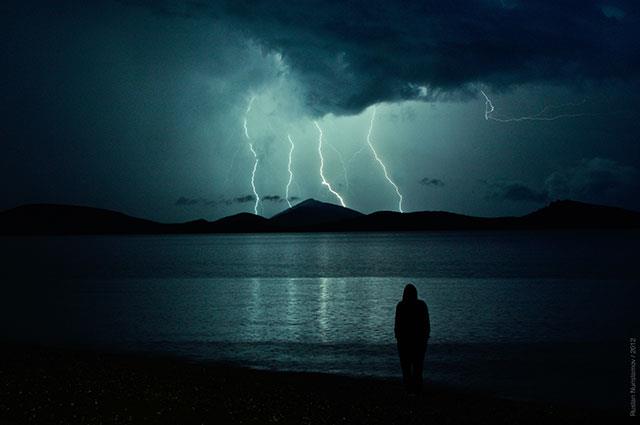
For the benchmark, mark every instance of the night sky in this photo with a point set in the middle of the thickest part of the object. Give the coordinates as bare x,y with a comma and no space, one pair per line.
140,106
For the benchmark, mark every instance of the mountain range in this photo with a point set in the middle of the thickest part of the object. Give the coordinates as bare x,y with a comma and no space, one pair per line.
307,216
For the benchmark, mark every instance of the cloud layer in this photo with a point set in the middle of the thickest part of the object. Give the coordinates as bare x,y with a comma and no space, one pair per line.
353,54
598,180
426,181
184,201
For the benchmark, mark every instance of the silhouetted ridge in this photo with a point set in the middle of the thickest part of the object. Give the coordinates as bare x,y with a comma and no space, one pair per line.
71,219
307,216
574,214
421,220
242,222
313,213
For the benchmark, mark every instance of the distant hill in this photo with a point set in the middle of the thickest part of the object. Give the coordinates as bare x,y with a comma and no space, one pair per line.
422,220
573,214
307,216
313,213
243,222
50,219
558,214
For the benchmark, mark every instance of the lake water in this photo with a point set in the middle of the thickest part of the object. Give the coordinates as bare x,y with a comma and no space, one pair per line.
545,315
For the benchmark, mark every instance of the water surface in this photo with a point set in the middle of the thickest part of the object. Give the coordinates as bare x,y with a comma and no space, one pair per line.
525,314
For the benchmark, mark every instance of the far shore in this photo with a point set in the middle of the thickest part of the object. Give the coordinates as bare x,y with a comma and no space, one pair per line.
63,386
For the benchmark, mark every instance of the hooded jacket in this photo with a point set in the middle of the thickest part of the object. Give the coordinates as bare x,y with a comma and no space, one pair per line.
412,318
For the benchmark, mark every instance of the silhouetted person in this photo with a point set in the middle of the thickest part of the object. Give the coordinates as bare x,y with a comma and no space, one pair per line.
412,329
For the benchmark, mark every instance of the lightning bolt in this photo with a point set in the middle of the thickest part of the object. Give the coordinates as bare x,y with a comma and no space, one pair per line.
324,180
375,155
255,155
540,116
488,106
358,152
244,123
292,146
342,163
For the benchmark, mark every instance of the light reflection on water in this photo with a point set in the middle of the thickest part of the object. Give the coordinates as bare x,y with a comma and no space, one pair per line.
551,303
343,310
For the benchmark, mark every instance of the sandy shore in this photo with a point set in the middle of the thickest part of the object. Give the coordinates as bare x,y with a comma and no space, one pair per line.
53,386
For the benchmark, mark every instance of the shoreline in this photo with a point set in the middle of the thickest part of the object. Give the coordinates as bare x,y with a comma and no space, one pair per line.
59,385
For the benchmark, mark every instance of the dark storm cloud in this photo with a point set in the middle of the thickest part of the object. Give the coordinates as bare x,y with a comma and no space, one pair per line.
131,107
183,201
597,180
426,181
273,198
276,199
352,54
244,199
517,192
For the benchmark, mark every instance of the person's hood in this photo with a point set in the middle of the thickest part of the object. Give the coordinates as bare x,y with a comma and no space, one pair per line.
410,293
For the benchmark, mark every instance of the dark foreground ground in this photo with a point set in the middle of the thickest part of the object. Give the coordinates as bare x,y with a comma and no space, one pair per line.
48,386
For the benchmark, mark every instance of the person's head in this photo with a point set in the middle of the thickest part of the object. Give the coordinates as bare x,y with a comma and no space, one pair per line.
410,293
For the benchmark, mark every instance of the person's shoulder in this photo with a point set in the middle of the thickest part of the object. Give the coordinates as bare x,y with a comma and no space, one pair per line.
422,304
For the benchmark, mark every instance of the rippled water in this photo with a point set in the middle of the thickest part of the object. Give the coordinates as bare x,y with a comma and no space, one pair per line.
525,314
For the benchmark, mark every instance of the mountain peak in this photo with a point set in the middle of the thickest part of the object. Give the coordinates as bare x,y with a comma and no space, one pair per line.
572,214
311,203
313,212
